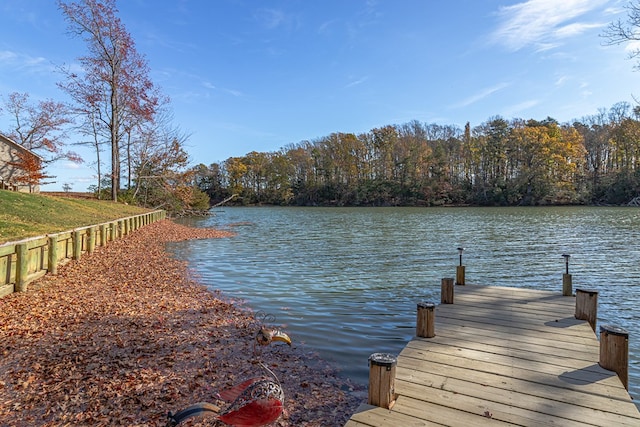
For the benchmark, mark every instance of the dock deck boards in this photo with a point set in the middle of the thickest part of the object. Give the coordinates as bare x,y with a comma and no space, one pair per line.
503,357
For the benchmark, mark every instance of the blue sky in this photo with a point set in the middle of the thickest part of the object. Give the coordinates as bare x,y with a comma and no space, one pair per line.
246,75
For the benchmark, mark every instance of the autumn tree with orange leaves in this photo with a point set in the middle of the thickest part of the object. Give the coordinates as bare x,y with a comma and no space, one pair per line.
31,168
114,93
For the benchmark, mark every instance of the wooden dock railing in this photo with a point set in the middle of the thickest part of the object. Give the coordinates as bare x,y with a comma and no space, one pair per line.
26,260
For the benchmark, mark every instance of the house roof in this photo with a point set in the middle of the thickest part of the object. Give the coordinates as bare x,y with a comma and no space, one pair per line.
10,141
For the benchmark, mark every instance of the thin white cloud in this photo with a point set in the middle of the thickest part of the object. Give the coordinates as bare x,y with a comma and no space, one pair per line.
561,80
480,95
632,47
7,56
536,22
325,27
233,92
209,85
72,165
518,109
544,47
613,10
23,61
576,29
357,82
272,19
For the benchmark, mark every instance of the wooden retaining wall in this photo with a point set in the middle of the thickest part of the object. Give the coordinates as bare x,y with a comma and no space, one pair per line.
26,260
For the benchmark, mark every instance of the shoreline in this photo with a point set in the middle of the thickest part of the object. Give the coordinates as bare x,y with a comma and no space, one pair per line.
126,334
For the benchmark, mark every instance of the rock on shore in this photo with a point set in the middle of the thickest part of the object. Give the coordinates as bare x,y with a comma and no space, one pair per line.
125,334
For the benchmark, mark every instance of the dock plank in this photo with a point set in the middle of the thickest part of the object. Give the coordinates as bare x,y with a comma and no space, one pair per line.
504,356
558,376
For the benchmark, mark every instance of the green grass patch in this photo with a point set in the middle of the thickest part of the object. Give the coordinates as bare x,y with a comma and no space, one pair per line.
28,215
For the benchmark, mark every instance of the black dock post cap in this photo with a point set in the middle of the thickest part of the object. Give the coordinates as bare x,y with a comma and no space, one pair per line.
383,359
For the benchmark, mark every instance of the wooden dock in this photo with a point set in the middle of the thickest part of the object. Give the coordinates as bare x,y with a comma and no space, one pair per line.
503,357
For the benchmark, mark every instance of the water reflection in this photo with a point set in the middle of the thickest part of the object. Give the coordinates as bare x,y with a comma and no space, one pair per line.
346,281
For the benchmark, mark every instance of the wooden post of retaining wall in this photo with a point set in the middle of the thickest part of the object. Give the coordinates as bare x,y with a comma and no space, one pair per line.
426,320
382,379
52,266
22,267
614,351
103,234
77,244
446,290
587,306
91,240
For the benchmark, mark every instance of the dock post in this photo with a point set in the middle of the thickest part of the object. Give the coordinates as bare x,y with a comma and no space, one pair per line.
567,289
587,306
614,351
382,379
446,290
460,269
426,319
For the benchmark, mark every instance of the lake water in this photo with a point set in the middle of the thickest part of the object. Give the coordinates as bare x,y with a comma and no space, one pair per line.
345,281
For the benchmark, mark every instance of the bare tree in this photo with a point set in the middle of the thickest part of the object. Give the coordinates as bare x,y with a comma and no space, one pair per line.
114,87
626,31
39,127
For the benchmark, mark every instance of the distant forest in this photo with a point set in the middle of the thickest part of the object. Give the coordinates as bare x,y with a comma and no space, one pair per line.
499,163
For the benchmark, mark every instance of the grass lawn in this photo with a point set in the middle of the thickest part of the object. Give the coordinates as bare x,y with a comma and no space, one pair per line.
28,215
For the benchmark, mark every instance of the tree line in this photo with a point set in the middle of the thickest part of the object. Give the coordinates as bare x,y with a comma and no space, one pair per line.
501,162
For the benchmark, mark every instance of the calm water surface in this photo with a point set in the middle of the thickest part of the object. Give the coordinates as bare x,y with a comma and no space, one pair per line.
345,281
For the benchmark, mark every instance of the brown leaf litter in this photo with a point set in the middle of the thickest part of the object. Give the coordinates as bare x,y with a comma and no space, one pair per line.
125,334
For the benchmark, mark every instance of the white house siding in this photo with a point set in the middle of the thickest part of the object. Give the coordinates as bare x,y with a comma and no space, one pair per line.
8,150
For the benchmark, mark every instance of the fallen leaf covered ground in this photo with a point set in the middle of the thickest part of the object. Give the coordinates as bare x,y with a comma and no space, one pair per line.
126,334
